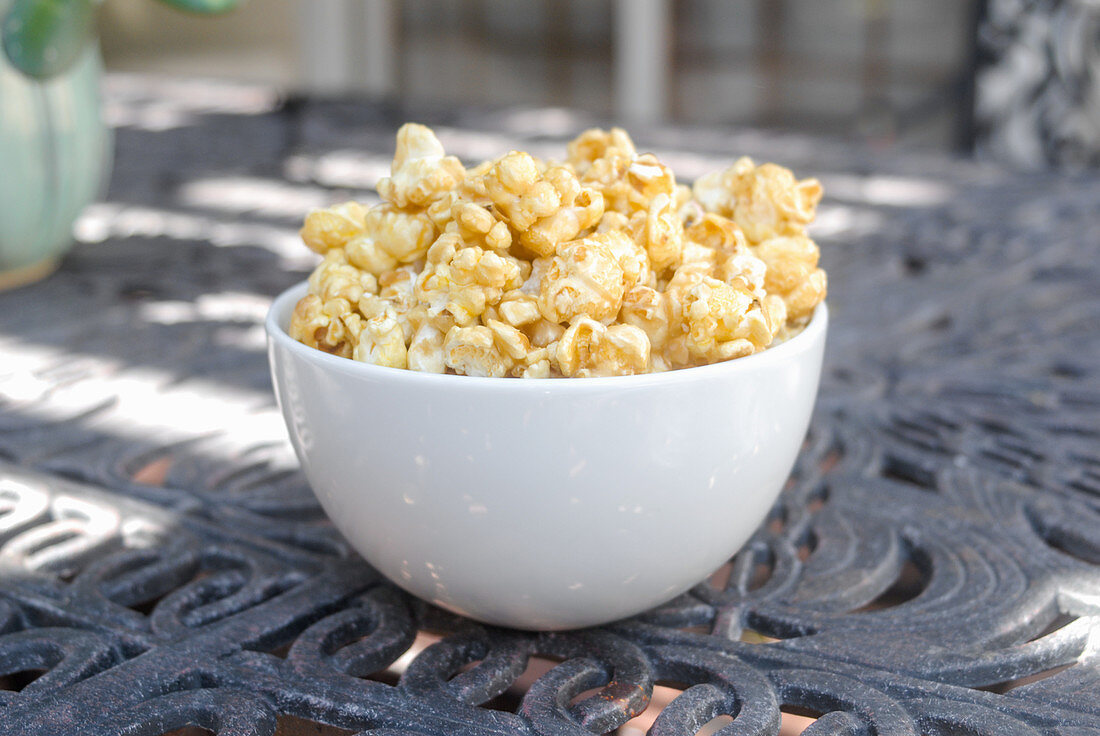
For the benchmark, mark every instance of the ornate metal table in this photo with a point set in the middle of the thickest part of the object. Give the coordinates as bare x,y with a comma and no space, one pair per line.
932,567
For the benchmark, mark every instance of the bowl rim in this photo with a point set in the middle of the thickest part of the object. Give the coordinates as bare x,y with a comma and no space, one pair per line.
282,306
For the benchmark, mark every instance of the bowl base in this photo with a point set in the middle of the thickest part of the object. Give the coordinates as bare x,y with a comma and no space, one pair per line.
16,277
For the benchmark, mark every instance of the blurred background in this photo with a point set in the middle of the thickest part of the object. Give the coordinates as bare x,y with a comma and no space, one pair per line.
1017,80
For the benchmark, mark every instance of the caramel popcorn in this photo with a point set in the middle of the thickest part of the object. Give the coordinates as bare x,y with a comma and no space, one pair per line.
648,309
474,351
389,238
764,201
724,322
425,351
577,213
382,340
601,155
518,308
324,230
472,222
661,232
523,194
421,172
602,265
791,273
717,233
332,326
465,279
590,348
335,278
584,279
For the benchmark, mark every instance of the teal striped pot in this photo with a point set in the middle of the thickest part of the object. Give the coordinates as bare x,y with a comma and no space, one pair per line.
54,157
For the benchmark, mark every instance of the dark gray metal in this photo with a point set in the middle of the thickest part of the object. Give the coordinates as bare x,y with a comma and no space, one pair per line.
1037,81
163,564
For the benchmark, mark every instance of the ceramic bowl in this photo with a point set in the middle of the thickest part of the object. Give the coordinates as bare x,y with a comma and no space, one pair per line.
55,154
546,503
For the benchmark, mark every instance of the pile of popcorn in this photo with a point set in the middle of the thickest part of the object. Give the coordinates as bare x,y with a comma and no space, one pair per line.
599,266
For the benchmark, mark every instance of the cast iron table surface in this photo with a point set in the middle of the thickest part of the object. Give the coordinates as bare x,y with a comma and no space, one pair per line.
932,567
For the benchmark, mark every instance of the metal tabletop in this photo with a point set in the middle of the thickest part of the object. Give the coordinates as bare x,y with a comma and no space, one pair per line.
932,567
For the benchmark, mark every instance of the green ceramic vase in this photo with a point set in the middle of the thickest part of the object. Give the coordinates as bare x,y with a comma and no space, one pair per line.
54,156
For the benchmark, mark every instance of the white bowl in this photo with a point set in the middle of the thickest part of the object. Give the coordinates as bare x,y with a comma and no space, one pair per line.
546,503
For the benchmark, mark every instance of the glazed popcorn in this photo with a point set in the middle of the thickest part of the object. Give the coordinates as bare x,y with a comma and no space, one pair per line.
601,265
325,230
764,201
584,280
465,279
333,326
335,278
792,273
390,237
421,172
591,348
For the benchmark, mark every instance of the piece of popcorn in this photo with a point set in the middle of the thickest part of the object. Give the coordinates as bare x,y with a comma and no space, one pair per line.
473,351
645,178
335,278
690,213
382,340
688,275
611,221
775,310
792,273
585,279
421,172
425,352
677,353
590,348
695,260
631,256
509,340
744,272
398,289
547,207
532,285
420,315
472,221
465,279
332,227
543,332
648,310
473,185
518,308
390,237
765,201
577,214
332,326
661,232
687,209
609,151
717,233
629,186
682,196
399,286
521,193
537,365
777,313
716,192
723,322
